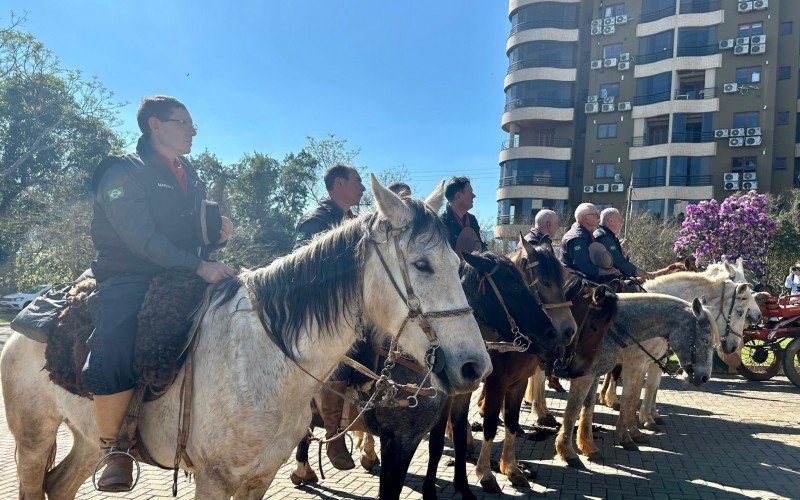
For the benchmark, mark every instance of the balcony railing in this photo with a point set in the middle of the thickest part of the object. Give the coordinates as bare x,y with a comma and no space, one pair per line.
639,182
654,56
533,180
692,136
695,94
646,140
503,220
701,50
658,14
546,142
542,62
699,6
641,100
545,102
689,180
563,24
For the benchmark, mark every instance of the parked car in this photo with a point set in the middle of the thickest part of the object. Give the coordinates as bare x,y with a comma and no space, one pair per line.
18,301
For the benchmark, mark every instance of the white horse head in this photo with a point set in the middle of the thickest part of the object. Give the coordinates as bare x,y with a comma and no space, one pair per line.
694,348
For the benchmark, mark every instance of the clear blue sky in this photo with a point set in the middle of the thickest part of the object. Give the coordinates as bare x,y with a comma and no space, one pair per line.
414,83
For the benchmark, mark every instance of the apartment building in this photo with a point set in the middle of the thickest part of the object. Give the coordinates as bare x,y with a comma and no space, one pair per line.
660,102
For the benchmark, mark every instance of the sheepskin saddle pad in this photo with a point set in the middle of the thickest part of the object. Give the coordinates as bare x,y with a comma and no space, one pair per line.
164,323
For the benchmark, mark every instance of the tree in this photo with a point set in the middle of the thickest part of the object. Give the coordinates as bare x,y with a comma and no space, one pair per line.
651,241
784,245
738,227
325,153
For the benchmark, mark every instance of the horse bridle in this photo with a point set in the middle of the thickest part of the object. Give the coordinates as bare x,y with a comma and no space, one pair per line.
521,342
728,330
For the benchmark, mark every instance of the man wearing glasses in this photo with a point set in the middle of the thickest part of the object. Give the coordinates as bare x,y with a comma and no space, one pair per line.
146,220
575,244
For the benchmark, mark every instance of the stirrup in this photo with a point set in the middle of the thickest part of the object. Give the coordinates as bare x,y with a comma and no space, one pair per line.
102,461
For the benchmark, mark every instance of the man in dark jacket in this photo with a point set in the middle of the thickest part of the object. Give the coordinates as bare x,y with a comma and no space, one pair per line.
545,227
456,216
146,220
575,244
606,233
345,189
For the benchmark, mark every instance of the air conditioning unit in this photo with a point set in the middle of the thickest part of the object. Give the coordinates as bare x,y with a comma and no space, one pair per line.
622,19
608,108
596,30
754,131
758,48
597,64
617,177
596,23
624,66
743,40
758,39
745,6
730,88
590,107
758,5
601,188
625,56
721,133
753,140
737,132
726,44
730,176
609,21
731,186
591,98
741,50
610,62
749,176
736,142
748,185
609,30
617,188
588,189
624,106
608,100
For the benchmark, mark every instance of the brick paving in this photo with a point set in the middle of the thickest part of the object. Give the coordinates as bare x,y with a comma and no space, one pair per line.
730,439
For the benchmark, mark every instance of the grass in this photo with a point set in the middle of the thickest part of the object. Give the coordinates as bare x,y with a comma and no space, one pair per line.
5,318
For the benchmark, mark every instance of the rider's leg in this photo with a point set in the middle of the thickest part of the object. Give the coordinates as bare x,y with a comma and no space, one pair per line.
331,405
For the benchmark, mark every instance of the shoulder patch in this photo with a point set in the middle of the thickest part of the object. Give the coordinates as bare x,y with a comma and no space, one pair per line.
612,247
116,193
577,247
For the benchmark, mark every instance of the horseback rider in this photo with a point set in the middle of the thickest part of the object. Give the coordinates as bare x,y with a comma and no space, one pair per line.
545,227
462,226
606,233
146,220
575,245
344,187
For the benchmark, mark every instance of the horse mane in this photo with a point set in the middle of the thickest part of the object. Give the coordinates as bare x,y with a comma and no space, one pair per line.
320,280
688,276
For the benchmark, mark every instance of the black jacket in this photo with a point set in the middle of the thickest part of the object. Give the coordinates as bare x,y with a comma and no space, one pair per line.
326,216
143,223
536,238
454,228
575,251
609,240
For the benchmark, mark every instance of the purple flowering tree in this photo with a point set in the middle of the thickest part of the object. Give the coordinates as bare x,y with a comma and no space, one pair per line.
740,226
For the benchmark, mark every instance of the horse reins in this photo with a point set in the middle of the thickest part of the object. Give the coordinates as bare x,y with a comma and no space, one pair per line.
521,342
728,330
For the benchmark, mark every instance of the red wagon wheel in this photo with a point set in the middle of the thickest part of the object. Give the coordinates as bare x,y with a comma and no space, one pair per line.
760,360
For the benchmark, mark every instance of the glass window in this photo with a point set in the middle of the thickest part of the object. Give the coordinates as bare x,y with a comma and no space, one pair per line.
745,120
747,75
750,29
784,73
534,172
613,50
604,170
742,164
690,171
655,47
609,90
649,172
786,28
782,118
545,15
699,6
654,88
780,163
614,10
654,208
657,9
547,93
539,54
697,41
606,130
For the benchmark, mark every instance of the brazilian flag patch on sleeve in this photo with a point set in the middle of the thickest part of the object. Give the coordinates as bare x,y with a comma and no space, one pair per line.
115,193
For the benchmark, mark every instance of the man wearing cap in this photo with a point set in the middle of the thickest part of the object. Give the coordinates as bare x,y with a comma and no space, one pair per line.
462,226
606,233
576,242
545,227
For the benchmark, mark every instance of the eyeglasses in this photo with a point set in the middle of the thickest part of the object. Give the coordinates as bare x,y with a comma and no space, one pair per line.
183,123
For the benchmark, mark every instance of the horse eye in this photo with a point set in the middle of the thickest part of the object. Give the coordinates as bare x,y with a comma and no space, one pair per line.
546,284
423,266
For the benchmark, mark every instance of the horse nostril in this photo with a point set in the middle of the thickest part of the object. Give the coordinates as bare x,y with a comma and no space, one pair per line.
470,371
569,332
551,333
703,379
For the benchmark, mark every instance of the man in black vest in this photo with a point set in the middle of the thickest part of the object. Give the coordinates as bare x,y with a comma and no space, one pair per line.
456,216
575,244
545,227
146,220
606,233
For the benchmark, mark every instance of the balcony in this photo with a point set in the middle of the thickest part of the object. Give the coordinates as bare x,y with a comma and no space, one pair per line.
654,56
693,137
647,140
643,100
658,14
562,24
693,94
541,62
642,182
539,102
697,51
504,220
551,148
546,142
699,6
532,180
689,180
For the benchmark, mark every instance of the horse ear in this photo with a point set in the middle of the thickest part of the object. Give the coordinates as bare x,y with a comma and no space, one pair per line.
482,264
436,198
688,264
731,270
526,245
599,294
389,204
697,308
741,288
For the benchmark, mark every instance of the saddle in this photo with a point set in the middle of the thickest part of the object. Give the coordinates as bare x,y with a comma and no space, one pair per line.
164,323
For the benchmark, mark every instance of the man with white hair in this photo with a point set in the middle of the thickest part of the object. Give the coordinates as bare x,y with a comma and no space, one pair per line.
575,243
545,227
606,233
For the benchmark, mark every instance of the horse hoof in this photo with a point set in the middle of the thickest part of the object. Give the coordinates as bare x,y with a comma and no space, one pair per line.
465,493
576,463
630,446
297,480
490,485
595,457
519,480
650,426
641,439
615,406
548,421
368,463
429,492
659,420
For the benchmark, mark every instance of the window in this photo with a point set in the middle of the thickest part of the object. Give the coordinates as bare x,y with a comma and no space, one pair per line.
534,172
699,6
544,15
617,9
747,75
613,50
786,28
604,171
547,93
745,120
606,130
657,9
690,171
649,173
780,163
609,90
742,164
750,29
784,73
655,47
654,208
542,54
653,89
782,118
697,41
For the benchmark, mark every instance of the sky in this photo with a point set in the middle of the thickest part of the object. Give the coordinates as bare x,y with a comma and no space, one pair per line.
411,83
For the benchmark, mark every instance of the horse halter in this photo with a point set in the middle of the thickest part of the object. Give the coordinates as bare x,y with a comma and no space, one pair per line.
521,342
728,330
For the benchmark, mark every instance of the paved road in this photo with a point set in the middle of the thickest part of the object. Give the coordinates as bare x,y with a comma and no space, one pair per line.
731,439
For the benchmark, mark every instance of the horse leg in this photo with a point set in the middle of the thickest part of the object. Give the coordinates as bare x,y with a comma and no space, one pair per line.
648,414
608,394
530,391
626,430
397,455
462,434
369,458
303,473
435,450
491,419
578,391
254,488
211,485
68,476
508,460
544,417
585,438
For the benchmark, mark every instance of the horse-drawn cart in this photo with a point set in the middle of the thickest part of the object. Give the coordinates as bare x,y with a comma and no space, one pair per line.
775,343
